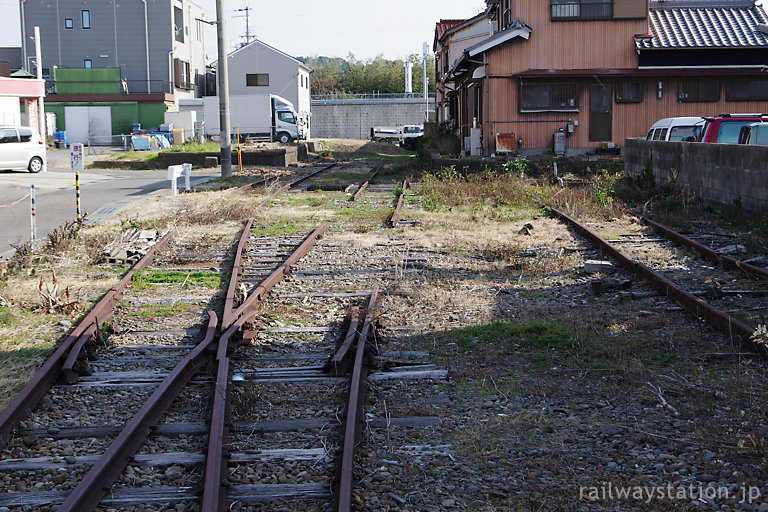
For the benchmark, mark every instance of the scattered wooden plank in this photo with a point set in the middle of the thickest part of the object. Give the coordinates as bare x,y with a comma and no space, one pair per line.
306,329
409,375
192,429
157,495
164,459
405,354
322,295
413,421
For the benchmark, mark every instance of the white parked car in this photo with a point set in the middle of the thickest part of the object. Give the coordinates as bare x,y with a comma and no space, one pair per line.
21,148
676,129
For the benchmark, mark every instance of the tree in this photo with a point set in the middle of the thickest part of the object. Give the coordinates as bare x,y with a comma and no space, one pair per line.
376,75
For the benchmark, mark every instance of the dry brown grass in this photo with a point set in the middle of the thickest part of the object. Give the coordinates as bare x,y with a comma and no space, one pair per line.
504,195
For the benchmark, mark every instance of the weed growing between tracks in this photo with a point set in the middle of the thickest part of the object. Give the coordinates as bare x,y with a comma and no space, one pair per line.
199,278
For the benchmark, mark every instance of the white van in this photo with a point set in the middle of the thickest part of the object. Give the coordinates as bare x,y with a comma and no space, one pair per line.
754,134
21,148
676,129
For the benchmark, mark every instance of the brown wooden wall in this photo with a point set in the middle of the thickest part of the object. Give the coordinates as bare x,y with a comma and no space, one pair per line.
629,119
567,44
580,45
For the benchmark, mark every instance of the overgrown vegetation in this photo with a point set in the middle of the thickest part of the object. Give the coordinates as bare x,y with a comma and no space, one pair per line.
277,228
530,334
195,147
198,278
520,166
162,310
510,195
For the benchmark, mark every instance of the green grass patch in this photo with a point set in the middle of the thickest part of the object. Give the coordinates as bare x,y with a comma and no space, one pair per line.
196,147
161,310
532,334
7,318
137,156
197,278
278,228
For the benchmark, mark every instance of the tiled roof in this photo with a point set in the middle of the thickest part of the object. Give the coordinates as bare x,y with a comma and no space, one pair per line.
683,24
445,25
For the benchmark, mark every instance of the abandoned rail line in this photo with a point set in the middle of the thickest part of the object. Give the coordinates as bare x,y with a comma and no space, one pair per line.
132,411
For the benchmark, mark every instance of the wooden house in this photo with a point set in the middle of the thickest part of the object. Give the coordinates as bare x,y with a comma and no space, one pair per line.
591,73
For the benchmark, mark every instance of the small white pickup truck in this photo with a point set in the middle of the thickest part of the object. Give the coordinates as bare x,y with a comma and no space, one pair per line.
406,135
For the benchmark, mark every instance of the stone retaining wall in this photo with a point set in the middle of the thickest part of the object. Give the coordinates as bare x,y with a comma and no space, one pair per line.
723,173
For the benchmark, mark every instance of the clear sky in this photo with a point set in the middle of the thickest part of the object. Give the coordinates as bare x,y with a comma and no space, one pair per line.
333,28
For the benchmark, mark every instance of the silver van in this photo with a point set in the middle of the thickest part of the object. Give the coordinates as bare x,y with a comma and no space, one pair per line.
21,148
676,129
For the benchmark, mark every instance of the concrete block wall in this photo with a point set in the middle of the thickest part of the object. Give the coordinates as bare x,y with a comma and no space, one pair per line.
723,173
353,119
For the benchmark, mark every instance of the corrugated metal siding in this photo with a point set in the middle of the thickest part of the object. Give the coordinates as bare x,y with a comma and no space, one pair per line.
556,45
579,45
629,119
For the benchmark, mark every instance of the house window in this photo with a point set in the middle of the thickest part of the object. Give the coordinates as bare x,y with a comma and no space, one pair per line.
560,97
86,15
87,63
69,23
748,89
178,24
581,9
257,79
629,92
182,74
698,90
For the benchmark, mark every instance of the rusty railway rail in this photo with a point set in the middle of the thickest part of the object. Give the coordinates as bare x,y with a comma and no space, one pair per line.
722,321
234,321
67,354
107,469
393,219
726,261
264,182
103,474
353,423
367,183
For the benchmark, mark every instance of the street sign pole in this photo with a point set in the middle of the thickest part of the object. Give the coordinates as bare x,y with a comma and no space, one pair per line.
76,162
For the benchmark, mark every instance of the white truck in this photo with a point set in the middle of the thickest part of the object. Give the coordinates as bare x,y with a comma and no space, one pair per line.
397,134
255,116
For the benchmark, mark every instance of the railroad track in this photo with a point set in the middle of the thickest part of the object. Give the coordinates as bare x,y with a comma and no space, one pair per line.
724,292
214,405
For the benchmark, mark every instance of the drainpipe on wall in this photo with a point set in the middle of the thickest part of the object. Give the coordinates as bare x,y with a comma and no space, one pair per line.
114,17
146,43
23,36
58,29
171,74
487,105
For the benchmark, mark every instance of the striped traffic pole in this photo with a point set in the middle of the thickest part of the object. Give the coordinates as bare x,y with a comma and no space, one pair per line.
77,193
32,226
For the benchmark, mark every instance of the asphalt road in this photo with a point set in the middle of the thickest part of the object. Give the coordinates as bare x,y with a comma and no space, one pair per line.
103,194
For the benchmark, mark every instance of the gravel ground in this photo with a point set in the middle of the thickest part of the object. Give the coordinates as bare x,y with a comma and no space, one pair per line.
561,395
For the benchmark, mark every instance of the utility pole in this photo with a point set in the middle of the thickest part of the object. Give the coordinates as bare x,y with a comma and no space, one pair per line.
221,70
424,57
41,99
246,10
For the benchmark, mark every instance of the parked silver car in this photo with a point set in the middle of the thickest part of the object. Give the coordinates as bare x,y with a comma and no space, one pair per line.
21,148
